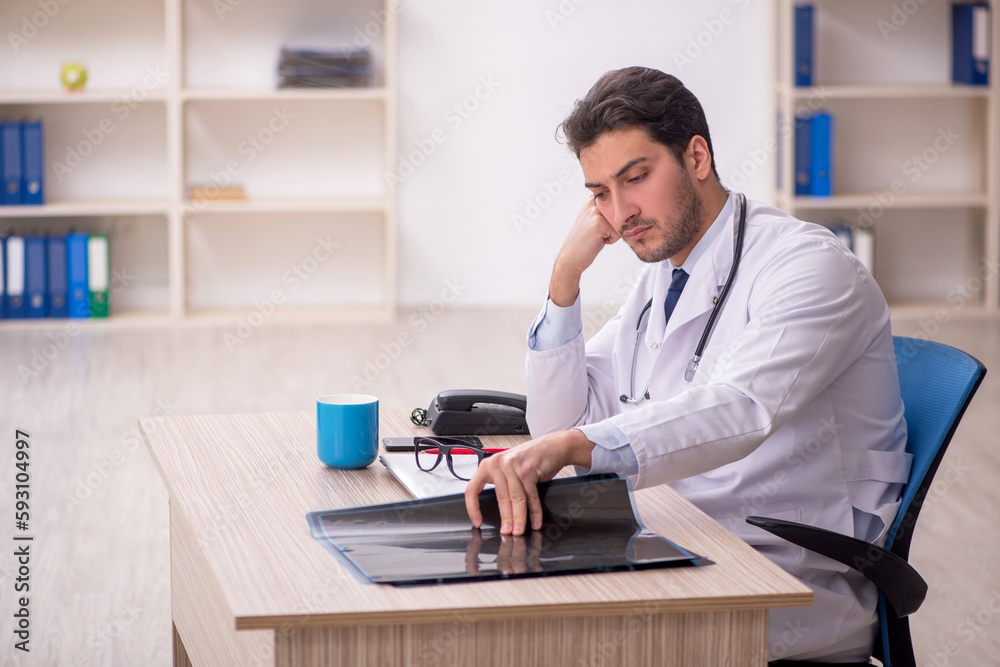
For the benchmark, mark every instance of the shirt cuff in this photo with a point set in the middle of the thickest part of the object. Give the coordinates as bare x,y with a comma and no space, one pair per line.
612,453
555,326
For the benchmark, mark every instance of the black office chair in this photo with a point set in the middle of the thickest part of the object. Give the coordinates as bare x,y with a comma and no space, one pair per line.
937,383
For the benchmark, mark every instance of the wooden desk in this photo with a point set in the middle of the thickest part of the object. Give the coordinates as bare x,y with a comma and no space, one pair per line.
251,587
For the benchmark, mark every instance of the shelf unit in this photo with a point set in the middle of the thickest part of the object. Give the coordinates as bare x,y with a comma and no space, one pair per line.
188,87
886,78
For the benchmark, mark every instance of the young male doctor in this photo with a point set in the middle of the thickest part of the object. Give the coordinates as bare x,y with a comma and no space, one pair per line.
794,409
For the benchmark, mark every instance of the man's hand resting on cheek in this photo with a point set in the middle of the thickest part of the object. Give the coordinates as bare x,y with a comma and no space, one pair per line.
587,237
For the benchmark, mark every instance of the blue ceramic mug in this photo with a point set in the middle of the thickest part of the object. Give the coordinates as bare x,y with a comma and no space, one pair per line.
347,430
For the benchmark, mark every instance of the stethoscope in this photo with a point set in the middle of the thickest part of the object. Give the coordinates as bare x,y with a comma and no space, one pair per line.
719,301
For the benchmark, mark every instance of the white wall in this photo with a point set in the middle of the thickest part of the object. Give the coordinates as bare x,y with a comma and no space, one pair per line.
457,208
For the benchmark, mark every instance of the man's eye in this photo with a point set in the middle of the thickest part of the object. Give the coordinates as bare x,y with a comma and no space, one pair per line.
600,196
636,179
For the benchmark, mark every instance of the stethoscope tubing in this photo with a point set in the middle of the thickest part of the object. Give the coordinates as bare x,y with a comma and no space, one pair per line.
720,301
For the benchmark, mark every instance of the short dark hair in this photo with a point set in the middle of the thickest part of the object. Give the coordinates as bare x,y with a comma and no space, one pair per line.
639,97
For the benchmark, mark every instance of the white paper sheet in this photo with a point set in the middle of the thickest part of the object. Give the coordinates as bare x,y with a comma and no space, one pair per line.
438,482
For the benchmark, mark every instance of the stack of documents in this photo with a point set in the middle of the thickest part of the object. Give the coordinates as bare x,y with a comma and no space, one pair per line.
206,193
300,68
437,482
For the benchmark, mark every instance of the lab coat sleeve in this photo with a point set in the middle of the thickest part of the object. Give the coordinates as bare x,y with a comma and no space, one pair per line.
572,384
555,326
811,313
611,452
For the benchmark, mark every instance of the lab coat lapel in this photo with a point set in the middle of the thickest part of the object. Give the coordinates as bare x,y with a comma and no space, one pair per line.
707,279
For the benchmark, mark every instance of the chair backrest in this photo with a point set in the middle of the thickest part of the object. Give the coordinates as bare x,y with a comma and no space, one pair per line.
937,383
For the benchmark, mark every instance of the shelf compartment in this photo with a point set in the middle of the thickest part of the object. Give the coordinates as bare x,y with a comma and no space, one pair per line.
236,262
138,254
88,207
889,91
287,94
909,200
373,205
85,97
927,147
106,151
235,45
856,42
116,39
925,256
269,148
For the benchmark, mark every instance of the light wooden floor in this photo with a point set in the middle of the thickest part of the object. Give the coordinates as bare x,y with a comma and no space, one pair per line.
99,568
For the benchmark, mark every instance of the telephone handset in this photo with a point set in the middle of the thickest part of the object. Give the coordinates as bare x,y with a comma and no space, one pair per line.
474,412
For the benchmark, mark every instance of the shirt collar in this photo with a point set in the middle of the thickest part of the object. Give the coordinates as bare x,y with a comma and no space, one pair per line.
705,242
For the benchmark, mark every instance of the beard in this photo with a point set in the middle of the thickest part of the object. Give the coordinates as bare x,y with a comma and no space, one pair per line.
676,233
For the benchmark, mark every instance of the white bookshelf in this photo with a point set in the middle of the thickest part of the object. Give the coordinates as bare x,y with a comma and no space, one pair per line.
82,208
187,86
257,94
890,92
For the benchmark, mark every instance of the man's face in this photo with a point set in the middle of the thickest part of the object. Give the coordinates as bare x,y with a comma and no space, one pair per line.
641,190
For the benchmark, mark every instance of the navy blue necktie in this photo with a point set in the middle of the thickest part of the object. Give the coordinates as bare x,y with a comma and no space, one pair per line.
677,283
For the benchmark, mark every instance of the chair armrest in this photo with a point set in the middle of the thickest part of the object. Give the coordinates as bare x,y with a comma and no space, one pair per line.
902,586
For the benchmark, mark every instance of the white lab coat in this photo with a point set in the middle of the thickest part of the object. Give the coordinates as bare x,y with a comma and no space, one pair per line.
794,413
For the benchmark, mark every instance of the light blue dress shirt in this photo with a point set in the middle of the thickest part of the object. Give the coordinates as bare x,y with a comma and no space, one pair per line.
556,326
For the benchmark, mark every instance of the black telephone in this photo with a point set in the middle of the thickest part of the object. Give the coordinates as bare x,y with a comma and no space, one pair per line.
475,412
